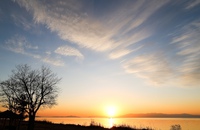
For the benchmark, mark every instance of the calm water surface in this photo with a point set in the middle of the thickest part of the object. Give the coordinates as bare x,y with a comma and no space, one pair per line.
155,123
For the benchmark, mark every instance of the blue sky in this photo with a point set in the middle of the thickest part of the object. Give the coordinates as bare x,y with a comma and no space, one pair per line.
108,52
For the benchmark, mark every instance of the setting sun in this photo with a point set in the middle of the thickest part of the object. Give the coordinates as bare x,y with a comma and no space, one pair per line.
111,111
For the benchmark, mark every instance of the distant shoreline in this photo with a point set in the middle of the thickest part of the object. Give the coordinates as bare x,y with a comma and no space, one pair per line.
148,115
161,115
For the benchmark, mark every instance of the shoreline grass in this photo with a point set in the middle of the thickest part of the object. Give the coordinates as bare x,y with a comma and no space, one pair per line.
92,126
48,125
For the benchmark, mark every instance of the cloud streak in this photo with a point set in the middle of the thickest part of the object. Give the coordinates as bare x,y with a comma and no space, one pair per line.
69,51
53,61
71,23
153,67
189,50
20,45
119,53
192,4
181,68
122,52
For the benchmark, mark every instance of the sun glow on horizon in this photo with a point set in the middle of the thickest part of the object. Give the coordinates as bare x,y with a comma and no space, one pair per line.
111,111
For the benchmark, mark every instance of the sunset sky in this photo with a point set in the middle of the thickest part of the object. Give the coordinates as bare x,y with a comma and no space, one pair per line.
123,55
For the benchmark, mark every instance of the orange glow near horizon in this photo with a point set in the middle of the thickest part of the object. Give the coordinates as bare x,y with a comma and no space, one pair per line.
111,111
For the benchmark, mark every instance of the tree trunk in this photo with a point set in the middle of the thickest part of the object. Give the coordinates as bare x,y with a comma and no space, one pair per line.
31,121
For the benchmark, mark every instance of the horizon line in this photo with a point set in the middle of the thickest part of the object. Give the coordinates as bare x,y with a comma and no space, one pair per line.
136,115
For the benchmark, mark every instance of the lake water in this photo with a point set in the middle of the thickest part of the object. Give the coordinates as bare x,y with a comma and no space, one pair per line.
155,123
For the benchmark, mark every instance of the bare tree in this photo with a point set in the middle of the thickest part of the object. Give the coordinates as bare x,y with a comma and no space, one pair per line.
27,90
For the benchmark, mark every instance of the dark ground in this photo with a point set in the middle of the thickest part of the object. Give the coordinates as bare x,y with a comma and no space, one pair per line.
45,125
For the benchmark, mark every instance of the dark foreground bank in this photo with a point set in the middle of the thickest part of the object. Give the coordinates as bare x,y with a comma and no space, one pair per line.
45,125
42,125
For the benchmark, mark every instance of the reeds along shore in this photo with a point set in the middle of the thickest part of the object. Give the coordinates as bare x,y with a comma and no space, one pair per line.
46,125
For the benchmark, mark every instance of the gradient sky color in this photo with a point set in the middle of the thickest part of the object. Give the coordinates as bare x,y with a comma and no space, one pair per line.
137,56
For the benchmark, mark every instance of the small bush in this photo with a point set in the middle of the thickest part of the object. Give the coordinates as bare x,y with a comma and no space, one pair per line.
128,127
176,127
94,124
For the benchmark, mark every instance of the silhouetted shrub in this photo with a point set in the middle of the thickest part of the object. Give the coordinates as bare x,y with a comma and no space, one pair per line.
175,127
94,124
128,127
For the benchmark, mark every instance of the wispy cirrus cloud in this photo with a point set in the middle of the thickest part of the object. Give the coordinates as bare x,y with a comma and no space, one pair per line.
53,61
181,68
115,34
153,67
122,52
20,20
69,51
19,44
116,31
72,23
68,23
119,53
189,51
192,3
134,15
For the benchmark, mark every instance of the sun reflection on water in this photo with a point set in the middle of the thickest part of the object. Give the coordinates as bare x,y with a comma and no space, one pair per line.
111,122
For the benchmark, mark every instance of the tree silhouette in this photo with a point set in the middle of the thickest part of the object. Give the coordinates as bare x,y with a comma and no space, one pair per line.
27,90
